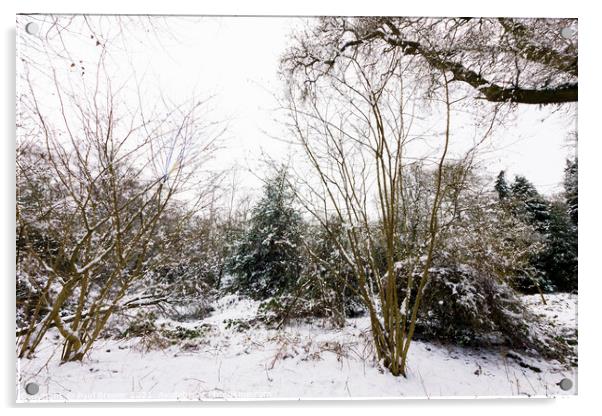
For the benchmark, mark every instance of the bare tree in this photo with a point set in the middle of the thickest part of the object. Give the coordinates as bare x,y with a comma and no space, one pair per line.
115,169
357,127
526,61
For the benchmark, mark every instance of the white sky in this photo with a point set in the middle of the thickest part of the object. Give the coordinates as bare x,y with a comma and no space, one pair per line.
237,59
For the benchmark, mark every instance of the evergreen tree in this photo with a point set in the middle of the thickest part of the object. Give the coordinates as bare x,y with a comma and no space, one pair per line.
501,186
571,189
555,222
267,260
559,258
529,204
522,200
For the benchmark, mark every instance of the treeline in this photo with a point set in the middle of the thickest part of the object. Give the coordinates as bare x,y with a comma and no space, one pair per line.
494,245
555,219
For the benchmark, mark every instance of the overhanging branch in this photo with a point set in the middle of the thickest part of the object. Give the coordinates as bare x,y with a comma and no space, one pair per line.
491,91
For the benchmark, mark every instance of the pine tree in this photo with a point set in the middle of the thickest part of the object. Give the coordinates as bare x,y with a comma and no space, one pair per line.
529,204
267,260
501,186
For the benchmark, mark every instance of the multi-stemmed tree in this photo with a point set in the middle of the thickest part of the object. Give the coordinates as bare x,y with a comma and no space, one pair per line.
96,172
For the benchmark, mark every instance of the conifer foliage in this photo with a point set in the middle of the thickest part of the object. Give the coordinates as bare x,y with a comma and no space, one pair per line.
555,222
571,189
266,260
501,186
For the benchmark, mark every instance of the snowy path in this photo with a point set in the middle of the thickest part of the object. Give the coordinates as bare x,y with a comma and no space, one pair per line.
302,361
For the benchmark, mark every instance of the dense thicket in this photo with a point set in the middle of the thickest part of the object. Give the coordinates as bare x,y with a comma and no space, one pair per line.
481,252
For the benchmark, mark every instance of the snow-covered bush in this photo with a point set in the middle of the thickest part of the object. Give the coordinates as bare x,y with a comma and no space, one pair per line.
483,251
465,307
327,287
306,305
469,297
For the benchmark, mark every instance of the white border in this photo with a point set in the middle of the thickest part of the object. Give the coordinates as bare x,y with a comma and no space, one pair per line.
590,177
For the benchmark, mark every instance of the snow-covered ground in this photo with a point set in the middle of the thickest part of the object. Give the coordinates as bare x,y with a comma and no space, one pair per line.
302,361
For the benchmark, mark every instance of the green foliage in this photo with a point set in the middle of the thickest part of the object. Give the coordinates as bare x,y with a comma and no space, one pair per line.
571,179
272,311
181,333
159,336
239,325
559,259
267,260
303,305
529,204
462,305
501,186
555,223
144,323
